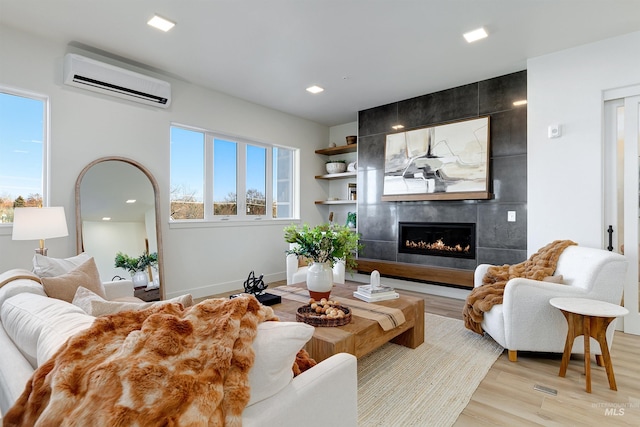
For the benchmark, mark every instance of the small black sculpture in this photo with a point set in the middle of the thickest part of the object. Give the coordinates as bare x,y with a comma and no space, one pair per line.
255,286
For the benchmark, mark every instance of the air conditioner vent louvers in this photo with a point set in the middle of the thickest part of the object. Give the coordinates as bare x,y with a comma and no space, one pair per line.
104,78
116,88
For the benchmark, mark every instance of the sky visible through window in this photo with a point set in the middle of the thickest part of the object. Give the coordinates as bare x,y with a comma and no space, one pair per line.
187,165
21,139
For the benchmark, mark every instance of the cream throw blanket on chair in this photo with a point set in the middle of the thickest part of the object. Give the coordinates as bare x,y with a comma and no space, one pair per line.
537,267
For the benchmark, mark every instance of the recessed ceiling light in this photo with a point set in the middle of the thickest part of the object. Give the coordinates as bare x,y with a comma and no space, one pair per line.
161,23
520,102
106,218
397,127
314,89
475,35
131,201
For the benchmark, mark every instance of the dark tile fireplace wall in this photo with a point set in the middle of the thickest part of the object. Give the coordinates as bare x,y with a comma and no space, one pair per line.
497,241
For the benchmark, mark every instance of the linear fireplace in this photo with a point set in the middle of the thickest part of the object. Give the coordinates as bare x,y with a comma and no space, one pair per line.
438,238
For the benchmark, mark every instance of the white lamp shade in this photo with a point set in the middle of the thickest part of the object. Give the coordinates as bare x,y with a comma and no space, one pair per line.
39,223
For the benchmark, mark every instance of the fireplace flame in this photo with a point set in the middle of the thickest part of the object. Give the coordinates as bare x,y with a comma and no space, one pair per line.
438,245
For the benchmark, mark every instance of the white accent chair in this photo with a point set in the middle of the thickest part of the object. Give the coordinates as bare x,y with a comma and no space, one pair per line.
297,273
525,321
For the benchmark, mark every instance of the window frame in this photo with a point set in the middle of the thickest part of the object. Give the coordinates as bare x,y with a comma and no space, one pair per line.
7,228
241,218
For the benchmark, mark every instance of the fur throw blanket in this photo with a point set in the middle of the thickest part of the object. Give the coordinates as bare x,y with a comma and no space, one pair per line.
537,267
165,365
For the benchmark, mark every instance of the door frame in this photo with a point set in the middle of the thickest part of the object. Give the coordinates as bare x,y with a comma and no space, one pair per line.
630,98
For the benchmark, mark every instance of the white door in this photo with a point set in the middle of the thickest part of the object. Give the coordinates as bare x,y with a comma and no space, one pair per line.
622,188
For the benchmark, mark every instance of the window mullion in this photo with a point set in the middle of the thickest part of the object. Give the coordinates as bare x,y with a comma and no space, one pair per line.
242,180
268,197
208,176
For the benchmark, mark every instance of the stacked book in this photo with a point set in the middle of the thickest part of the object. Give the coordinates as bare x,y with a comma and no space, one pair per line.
374,294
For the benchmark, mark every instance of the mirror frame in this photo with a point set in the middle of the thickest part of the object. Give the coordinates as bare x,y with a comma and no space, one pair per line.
154,184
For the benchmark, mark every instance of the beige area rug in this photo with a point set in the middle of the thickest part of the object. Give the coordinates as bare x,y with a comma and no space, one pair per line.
428,386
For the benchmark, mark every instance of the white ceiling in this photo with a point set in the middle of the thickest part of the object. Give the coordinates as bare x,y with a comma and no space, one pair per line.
364,53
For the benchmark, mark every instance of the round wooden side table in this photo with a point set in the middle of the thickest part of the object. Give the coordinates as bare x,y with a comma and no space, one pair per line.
589,318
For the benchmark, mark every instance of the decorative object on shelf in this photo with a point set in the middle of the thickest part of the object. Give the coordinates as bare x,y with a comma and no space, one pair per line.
136,267
441,162
352,188
352,167
256,286
351,139
351,220
332,144
336,166
323,246
374,291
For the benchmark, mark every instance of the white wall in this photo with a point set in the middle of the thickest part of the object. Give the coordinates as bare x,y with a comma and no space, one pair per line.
565,175
86,126
103,240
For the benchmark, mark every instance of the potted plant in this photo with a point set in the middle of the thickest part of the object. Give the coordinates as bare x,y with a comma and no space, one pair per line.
136,266
323,246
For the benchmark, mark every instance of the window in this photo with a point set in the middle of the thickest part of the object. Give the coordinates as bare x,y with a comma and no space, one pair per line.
23,148
219,178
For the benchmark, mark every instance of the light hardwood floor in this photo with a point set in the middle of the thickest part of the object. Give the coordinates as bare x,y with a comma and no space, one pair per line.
506,396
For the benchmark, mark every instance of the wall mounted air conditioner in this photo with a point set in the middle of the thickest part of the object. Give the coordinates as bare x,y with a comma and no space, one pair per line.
97,76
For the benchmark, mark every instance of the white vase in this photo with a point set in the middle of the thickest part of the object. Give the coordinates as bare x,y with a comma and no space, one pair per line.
319,280
140,279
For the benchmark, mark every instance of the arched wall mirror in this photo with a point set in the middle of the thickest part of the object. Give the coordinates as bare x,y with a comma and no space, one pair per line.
126,192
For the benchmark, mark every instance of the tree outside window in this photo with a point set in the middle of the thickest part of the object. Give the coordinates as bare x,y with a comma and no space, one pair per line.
22,151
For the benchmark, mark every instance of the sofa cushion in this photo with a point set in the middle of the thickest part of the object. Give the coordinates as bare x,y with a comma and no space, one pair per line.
275,346
15,274
18,286
35,320
95,305
45,266
64,287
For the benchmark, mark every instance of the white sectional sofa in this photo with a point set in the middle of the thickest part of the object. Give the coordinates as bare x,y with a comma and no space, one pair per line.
34,326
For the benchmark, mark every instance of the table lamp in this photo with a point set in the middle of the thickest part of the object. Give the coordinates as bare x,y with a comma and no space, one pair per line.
39,224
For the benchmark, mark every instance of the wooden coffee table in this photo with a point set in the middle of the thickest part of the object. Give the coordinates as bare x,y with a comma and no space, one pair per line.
362,335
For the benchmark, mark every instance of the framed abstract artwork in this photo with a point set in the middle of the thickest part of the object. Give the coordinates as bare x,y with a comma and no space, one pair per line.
442,162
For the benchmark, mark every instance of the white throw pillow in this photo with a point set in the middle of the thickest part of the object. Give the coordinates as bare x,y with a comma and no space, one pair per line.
45,266
276,346
95,305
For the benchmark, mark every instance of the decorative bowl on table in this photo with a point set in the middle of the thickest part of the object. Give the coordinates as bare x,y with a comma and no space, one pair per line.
313,317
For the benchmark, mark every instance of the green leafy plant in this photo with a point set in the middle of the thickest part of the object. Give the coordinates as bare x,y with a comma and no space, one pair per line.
324,243
336,161
133,265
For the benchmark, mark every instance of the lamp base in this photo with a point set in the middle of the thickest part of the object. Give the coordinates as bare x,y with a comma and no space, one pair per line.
41,251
